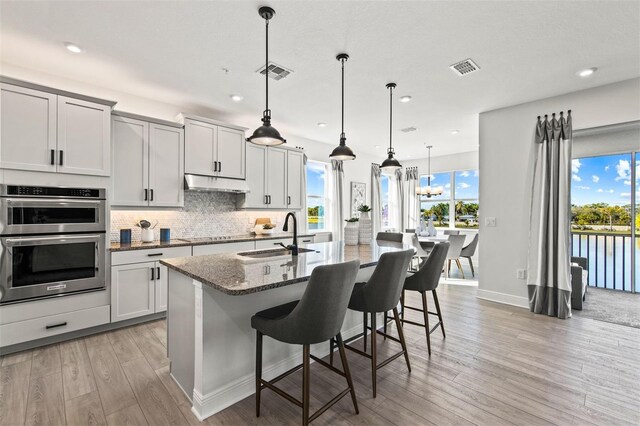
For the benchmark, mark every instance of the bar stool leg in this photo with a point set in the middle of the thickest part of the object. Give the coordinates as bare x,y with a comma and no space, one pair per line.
258,371
402,304
331,348
384,327
435,299
374,362
305,384
347,372
401,335
365,321
425,313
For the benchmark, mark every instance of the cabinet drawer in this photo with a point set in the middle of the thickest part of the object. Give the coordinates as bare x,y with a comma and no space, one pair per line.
24,331
223,248
137,256
266,244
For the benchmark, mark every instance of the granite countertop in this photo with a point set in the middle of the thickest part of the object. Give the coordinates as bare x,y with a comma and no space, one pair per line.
201,241
237,275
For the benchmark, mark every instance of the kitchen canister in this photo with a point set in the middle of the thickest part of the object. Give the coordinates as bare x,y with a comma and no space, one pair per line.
165,235
125,236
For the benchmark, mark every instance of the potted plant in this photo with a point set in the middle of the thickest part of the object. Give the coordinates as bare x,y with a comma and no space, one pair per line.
351,232
268,228
364,211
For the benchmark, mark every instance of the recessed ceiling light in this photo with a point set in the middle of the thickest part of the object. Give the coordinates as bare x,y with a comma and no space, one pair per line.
587,72
236,98
73,48
405,99
377,146
455,132
322,124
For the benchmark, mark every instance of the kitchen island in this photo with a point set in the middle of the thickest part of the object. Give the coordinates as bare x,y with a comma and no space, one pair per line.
210,341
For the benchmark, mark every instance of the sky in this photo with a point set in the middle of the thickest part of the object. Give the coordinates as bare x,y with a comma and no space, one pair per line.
604,179
315,178
466,184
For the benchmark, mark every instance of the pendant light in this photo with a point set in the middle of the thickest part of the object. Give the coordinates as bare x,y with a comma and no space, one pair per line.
428,190
265,134
390,165
342,151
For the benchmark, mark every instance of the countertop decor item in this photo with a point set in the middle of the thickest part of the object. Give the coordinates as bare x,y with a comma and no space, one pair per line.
364,225
342,151
165,235
266,134
390,165
351,232
125,236
268,228
146,234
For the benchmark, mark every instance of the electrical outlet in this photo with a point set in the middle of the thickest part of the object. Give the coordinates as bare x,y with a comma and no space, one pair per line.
521,274
490,222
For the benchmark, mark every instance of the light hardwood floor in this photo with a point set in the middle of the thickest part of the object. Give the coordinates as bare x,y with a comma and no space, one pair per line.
498,365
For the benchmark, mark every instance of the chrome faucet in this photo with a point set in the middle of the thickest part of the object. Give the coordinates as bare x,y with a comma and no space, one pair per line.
293,247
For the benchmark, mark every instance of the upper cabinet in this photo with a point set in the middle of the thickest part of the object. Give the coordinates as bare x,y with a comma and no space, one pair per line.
214,149
274,177
51,131
148,159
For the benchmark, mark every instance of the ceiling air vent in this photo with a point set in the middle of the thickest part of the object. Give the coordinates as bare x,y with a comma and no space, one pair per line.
276,72
465,67
409,129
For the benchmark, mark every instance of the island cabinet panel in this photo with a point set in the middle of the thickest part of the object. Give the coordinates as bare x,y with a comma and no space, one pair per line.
214,150
223,248
45,132
27,129
148,166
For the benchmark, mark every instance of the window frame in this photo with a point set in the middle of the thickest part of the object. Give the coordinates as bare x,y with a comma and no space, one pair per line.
325,198
451,200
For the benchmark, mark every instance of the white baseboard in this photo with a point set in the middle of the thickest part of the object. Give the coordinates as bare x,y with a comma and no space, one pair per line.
507,299
209,404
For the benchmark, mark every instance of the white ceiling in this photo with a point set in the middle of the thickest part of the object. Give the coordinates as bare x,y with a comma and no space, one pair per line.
175,52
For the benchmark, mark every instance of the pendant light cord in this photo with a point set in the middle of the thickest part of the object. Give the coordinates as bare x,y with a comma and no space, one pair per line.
266,68
390,118
429,176
342,129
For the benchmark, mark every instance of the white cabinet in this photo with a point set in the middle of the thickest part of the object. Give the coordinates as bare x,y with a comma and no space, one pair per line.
42,131
139,283
274,177
148,163
223,248
214,150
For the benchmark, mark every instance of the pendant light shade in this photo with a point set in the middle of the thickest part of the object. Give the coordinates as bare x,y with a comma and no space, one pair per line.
428,190
342,151
390,165
266,134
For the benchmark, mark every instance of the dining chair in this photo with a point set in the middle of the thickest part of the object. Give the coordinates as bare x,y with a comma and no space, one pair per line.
420,253
451,232
468,251
394,237
455,248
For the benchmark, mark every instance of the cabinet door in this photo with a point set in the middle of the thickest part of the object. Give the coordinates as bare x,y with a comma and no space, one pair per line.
200,142
27,129
166,170
130,170
256,176
162,287
132,290
230,153
84,137
295,169
277,178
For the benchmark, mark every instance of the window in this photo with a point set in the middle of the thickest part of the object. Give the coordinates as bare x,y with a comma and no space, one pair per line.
384,189
317,196
459,195
466,199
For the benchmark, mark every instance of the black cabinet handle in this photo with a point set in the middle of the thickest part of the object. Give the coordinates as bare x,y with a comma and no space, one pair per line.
269,199
219,166
151,197
288,199
146,195
153,273
266,199
306,241
53,157
61,157
154,254
158,273
49,327
215,166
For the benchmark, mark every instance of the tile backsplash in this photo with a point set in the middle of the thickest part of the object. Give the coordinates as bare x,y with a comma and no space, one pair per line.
205,214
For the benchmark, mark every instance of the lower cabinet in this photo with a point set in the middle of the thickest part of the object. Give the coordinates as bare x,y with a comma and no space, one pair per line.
139,283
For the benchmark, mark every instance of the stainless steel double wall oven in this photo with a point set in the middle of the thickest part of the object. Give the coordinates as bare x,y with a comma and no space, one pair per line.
52,241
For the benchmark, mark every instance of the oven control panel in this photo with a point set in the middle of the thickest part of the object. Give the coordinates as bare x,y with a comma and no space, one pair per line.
47,191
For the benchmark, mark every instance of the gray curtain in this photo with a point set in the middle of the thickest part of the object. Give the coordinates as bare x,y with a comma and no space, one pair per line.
376,199
337,178
549,267
411,202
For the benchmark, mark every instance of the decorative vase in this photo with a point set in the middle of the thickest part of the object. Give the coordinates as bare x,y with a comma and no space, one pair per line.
351,234
146,235
364,229
431,230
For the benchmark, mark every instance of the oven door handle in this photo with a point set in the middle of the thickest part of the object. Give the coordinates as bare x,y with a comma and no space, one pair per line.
59,239
38,202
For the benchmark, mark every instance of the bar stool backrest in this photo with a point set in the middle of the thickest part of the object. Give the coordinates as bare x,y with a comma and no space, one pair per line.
395,237
428,276
320,313
382,291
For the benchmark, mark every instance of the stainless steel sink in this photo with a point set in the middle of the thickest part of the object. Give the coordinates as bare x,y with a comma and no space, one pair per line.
260,254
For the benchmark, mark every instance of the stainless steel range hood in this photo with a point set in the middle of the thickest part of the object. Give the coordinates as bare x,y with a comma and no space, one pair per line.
214,184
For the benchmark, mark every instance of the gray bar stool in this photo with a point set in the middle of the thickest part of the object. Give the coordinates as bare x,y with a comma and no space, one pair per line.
315,318
427,279
381,294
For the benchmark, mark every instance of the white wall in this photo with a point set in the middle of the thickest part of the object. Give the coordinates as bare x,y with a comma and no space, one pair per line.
445,163
506,137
